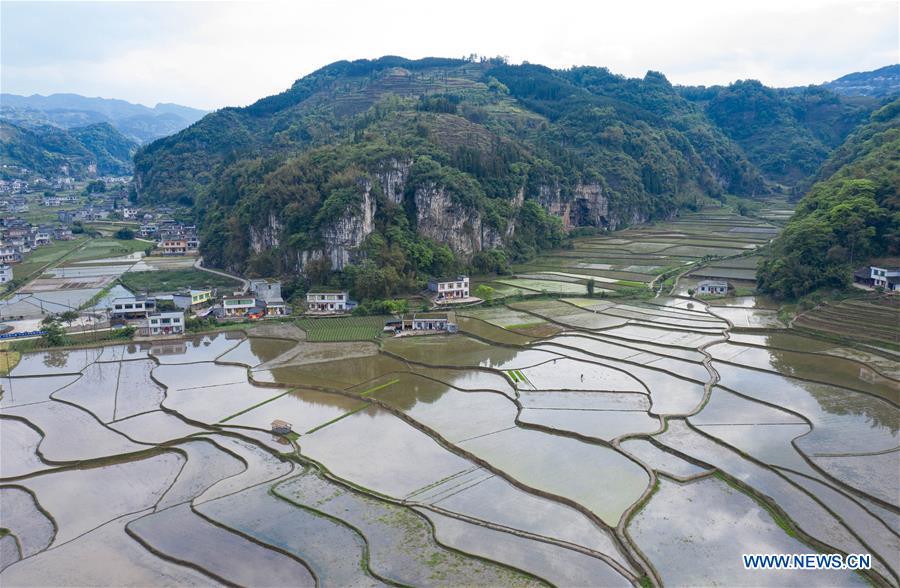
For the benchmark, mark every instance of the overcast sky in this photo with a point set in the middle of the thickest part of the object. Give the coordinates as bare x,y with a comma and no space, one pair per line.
214,54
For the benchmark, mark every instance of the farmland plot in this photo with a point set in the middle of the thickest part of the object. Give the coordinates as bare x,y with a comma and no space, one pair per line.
566,440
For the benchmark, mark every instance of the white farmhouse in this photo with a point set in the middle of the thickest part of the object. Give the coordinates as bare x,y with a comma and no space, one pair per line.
163,323
886,277
713,287
449,288
328,302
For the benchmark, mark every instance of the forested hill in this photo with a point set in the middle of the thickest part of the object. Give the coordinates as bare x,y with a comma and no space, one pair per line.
882,82
851,215
786,132
97,149
394,154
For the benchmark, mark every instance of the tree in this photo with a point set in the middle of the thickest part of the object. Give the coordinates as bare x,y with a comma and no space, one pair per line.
125,234
591,284
691,292
96,186
166,305
69,316
54,334
485,292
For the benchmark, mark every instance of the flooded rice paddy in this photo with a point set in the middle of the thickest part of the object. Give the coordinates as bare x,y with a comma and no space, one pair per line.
570,442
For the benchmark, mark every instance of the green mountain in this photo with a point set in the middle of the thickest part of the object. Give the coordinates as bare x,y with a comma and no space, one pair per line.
137,122
97,149
397,156
882,82
850,215
787,133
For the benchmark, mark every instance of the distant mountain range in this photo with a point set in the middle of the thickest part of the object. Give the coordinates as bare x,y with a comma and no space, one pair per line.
882,82
137,122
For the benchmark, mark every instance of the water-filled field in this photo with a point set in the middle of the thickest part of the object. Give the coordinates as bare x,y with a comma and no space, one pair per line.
571,441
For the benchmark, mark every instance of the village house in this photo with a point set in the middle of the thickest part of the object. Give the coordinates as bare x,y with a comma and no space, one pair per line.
130,307
191,238
18,204
425,321
6,273
52,201
327,302
41,236
173,246
65,216
176,239
129,212
200,297
91,214
192,299
886,277
237,305
449,288
63,234
163,323
10,254
268,291
713,287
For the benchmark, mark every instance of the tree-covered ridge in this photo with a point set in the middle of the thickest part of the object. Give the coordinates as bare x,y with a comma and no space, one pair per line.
423,166
581,131
786,133
846,218
48,150
882,82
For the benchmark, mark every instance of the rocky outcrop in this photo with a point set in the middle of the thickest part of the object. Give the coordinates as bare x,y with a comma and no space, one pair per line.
392,177
342,237
587,205
441,217
447,222
265,236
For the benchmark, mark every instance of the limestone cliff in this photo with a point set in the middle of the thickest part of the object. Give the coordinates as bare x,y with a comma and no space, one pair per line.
587,205
342,237
442,220
439,216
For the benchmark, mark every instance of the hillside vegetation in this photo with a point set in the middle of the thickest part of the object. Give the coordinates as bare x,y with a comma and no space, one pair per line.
849,216
388,170
787,133
412,163
97,149
882,82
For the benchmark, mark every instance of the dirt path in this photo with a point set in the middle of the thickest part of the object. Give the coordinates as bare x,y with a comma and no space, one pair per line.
245,284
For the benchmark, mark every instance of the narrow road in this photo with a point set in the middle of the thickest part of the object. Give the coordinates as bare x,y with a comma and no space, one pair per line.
245,284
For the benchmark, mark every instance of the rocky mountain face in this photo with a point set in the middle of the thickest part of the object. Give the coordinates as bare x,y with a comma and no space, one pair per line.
407,162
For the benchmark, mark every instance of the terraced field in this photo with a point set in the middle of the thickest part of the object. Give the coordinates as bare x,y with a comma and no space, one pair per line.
567,440
635,258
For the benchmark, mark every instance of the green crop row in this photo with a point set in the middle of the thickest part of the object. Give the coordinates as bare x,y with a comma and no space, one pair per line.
356,328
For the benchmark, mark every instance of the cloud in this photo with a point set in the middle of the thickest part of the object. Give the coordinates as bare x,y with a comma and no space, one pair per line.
212,54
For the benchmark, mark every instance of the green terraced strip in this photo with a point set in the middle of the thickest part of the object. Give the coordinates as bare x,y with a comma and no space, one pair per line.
246,410
336,419
377,388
